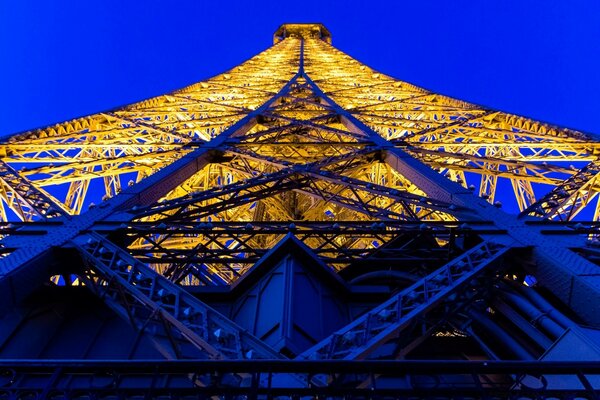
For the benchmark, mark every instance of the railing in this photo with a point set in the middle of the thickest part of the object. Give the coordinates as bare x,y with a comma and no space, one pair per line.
261,379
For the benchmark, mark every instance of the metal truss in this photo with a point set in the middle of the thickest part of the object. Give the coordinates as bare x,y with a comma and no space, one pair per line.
472,146
186,192
456,138
570,197
227,249
374,328
155,305
27,200
101,154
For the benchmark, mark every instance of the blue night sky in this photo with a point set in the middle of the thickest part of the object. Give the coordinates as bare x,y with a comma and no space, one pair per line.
63,59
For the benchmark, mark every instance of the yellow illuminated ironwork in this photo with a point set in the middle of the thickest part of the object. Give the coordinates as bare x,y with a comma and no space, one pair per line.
90,159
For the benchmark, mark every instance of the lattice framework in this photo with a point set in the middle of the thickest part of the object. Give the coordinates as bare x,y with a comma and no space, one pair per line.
301,144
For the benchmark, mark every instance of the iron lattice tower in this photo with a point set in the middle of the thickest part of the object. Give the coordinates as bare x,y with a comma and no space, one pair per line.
255,233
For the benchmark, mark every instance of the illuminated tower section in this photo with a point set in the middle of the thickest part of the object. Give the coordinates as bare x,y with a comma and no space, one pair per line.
299,223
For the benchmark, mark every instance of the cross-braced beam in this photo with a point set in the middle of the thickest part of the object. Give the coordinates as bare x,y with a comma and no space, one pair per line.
365,334
25,199
569,198
164,310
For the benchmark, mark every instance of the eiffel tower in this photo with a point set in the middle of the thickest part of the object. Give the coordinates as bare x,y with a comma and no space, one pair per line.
299,226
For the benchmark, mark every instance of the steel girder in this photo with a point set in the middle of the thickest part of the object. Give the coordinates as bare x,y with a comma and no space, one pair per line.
365,334
567,199
158,306
27,200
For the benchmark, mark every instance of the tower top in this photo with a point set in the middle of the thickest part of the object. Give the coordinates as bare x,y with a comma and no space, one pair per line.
302,30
